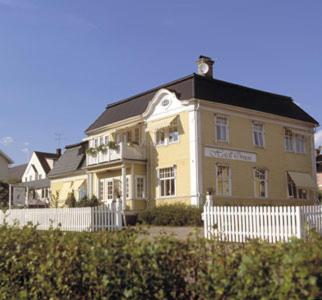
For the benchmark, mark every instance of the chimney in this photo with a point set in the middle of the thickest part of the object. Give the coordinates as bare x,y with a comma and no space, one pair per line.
205,66
58,152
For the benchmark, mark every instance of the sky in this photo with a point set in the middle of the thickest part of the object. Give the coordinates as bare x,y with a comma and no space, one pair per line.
62,62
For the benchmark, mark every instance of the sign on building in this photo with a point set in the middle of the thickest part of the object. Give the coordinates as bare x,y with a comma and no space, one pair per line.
230,154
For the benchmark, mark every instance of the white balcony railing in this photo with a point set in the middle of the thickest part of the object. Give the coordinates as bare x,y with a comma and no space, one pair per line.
123,151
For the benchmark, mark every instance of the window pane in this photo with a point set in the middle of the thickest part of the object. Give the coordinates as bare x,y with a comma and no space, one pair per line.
173,134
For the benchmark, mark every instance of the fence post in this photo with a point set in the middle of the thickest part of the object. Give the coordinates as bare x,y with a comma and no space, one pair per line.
209,199
299,232
118,213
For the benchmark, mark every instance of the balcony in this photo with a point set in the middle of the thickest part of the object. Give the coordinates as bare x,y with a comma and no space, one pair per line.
123,151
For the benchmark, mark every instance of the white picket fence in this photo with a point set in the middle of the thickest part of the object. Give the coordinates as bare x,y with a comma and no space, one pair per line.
69,219
271,223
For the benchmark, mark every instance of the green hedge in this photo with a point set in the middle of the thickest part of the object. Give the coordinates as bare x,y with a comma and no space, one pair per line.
57,265
171,215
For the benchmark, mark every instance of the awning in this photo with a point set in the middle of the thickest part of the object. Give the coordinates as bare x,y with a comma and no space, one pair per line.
159,124
302,180
65,190
77,184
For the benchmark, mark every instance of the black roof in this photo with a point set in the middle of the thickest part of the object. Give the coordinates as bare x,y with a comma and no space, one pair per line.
71,162
42,156
209,89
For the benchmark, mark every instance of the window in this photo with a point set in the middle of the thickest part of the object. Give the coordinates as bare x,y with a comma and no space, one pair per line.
223,181
101,140
160,137
110,190
101,190
128,136
260,181
293,191
302,194
299,143
167,182
137,135
26,179
258,132
288,138
294,142
140,187
173,134
222,129
30,178
127,187
106,139
82,192
96,143
42,193
39,176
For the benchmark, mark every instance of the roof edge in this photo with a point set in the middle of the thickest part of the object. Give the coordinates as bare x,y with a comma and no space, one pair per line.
149,91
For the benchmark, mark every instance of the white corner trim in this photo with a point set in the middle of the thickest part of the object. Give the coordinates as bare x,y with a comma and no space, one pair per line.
194,156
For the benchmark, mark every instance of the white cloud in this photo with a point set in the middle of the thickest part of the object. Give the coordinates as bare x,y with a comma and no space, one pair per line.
25,150
6,141
26,144
318,138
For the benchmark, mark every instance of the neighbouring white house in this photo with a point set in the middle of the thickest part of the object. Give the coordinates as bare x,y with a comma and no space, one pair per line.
35,175
5,161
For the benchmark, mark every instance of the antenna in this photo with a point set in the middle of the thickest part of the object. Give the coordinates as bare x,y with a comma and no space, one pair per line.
58,138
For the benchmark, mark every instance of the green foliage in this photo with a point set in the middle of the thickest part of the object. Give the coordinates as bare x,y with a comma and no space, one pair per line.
119,265
71,200
171,215
86,202
4,195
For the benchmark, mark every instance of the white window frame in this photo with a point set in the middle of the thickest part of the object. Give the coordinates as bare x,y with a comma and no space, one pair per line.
293,139
226,128
109,196
288,140
167,178
256,180
229,180
136,187
262,132
301,138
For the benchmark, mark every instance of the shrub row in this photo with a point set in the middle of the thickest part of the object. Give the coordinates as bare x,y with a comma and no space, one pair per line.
171,215
58,265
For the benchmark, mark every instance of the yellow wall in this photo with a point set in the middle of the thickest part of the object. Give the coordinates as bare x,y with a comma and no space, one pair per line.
272,156
57,184
166,156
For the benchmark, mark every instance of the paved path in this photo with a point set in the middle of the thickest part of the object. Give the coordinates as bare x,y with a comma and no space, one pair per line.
179,232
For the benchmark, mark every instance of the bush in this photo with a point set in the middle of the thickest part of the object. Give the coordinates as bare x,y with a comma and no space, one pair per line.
171,215
119,265
71,200
86,202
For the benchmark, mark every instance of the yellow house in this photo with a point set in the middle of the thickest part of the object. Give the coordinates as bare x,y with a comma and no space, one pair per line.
177,141
69,175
